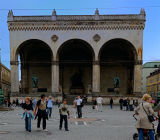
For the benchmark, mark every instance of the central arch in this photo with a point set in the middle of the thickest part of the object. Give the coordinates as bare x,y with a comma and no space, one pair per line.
35,62
117,58
75,60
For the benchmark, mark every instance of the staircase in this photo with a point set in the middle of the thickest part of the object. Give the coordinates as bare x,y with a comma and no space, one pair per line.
70,99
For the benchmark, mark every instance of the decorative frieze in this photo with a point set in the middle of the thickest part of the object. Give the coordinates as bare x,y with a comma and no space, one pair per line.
76,26
77,22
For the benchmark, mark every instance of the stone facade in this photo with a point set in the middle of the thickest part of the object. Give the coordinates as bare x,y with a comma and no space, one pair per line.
147,68
5,80
153,83
73,43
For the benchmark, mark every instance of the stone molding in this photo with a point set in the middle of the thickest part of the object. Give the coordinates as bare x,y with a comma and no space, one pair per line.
55,62
128,17
14,62
138,62
96,62
76,25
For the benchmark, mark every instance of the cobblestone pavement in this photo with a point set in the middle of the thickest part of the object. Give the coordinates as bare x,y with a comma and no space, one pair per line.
107,125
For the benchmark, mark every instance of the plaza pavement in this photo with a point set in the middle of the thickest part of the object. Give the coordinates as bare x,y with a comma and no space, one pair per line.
107,125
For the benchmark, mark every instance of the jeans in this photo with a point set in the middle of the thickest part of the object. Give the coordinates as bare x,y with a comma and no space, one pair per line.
28,123
41,115
158,127
127,107
99,106
79,111
63,117
121,106
49,110
111,106
151,134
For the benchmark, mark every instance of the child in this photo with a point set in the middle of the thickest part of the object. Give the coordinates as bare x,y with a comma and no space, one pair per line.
63,111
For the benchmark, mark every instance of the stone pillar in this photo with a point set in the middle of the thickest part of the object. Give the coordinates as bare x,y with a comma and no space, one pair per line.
14,78
55,77
137,79
96,77
24,78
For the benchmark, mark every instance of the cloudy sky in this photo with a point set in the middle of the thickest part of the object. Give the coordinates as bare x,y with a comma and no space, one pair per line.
63,7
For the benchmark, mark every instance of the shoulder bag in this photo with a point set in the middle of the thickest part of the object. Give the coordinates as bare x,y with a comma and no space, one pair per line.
150,117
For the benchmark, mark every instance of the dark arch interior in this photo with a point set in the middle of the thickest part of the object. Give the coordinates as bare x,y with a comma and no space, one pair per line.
117,51
117,58
36,57
75,58
75,51
35,52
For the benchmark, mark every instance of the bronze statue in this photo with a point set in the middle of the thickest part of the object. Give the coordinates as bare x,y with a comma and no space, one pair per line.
35,81
116,82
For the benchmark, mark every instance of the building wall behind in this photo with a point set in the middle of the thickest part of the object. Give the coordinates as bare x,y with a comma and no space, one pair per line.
146,72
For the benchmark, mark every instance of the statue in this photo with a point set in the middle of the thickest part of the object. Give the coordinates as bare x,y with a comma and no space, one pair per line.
116,82
35,81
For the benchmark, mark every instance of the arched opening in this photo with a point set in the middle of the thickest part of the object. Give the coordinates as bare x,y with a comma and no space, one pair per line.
75,61
117,58
35,66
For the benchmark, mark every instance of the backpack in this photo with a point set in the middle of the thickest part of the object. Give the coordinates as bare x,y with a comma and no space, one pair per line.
82,103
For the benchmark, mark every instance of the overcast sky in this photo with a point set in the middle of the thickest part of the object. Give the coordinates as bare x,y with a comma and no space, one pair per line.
151,42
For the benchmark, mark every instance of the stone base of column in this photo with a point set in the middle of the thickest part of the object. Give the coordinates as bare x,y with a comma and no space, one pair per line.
14,94
55,94
95,94
138,94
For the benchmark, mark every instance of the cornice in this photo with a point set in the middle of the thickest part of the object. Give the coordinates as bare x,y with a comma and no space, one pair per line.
76,25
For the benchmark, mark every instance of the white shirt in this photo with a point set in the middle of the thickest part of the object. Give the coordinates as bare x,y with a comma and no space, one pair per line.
99,100
79,101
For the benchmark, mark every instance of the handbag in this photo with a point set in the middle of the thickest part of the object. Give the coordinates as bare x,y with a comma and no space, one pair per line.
150,117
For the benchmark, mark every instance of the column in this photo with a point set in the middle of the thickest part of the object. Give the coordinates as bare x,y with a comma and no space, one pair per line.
24,83
55,77
137,79
14,78
96,77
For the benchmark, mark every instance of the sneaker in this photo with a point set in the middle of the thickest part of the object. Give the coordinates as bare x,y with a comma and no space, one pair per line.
60,128
66,130
45,130
38,129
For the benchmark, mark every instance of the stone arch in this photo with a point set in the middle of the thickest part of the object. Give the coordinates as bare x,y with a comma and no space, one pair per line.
132,47
35,61
27,42
117,58
75,58
76,39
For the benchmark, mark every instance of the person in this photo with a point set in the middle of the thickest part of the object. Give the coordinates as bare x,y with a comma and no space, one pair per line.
157,109
94,104
131,105
17,102
121,103
128,103
28,114
49,106
79,106
143,122
34,103
64,111
99,103
74,110
41,113
111,103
